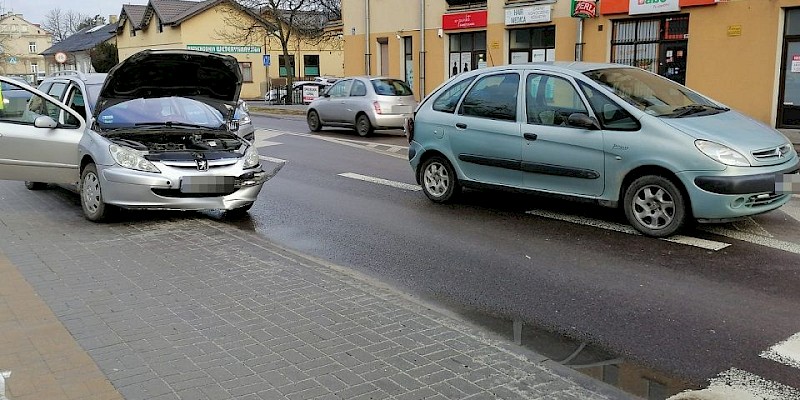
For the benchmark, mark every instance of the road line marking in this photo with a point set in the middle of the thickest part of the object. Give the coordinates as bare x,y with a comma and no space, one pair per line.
273,159
786,352
394,184
686,240
754,239
735,384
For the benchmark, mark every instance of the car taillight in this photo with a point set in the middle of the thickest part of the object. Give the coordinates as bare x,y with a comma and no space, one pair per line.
408,128
377,107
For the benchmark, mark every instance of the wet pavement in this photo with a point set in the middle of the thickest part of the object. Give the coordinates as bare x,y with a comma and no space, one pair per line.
187,305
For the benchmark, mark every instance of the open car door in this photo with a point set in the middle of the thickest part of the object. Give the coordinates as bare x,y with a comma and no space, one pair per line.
39,136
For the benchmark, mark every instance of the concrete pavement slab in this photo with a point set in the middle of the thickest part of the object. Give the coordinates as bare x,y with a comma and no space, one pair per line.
180,305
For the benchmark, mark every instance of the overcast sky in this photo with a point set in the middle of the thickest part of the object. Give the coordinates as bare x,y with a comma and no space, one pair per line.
34,10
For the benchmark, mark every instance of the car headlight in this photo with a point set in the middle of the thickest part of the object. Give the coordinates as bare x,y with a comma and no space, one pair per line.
722,154
131,159
244,120
251,158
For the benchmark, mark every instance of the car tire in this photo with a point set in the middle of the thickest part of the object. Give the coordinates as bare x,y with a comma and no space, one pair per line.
655,206
94,208
238,212
35,185
313,121
363,126
438,179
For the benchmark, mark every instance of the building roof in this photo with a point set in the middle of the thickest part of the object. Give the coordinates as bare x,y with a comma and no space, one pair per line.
172,12
134,13
84,39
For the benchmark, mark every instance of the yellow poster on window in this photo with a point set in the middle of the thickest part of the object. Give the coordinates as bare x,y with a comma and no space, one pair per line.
2,99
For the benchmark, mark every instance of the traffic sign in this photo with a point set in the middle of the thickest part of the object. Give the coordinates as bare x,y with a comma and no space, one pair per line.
266,60
61,57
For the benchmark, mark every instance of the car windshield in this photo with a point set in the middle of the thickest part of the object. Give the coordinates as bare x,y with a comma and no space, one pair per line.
93,92
160,110
653,94
391,87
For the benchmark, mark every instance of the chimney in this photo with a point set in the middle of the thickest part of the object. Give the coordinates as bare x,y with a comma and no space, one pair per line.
112,19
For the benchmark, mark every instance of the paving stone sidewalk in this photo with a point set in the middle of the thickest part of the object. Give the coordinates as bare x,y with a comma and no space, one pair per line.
183,306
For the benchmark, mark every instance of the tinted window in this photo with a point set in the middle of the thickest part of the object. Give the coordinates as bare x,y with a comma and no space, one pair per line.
447,101
550,100
359,89
493,97
391,87
610,114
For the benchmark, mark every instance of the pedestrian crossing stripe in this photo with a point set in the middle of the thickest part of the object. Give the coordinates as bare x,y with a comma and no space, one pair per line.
736,384
786,352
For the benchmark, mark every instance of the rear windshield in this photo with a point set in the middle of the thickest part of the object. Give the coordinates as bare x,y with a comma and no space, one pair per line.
391,87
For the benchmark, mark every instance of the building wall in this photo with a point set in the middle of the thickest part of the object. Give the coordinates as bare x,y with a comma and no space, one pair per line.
218,26
741,71
15,36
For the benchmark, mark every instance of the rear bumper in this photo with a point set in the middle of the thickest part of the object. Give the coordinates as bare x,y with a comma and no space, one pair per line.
390,121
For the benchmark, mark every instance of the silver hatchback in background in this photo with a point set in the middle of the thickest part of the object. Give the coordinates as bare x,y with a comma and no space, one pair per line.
363,103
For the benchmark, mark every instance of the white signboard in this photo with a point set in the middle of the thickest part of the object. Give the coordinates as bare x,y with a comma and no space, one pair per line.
653,6
519,57
538,55
551,54
527,15
310,92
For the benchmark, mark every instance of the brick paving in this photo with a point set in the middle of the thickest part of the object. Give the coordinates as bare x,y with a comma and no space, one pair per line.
183,306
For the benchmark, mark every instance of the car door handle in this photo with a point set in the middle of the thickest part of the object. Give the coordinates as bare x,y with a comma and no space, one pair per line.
530,136
461,125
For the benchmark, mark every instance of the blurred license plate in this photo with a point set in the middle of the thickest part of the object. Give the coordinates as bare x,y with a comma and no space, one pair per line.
401,109
207,184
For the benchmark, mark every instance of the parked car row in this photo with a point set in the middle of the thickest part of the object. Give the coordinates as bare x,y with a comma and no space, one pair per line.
157,132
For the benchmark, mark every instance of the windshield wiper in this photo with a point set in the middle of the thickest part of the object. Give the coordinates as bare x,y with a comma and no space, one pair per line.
694,109
171,124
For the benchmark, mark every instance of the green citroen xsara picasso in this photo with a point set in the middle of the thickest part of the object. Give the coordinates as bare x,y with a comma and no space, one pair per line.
618,135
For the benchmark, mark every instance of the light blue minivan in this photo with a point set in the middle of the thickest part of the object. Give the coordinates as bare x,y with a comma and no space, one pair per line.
610,133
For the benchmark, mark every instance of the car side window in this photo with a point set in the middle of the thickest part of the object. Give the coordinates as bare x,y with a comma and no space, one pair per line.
610,114
20,106
494,97
57,90
76,102
549,100
359,89
448,100
340,89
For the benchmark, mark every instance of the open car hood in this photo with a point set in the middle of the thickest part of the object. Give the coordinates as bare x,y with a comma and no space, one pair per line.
214,79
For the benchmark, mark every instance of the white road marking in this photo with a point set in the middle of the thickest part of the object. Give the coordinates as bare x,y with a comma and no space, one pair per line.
687,240
755,239
3,376
735,384
351,143
786,352
399,185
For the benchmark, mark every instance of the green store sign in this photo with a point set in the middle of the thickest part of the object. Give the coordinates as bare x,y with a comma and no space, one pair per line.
224,48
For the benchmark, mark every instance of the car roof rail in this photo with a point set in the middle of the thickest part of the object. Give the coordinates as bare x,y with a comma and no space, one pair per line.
80,74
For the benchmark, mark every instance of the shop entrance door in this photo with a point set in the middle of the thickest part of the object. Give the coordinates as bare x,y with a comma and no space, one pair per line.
673,61
789,95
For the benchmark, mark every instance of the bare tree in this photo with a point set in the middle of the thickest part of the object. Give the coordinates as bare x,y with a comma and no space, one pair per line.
62,24
289,22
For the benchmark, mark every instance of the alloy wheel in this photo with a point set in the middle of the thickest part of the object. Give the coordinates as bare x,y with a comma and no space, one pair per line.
436,179
653,207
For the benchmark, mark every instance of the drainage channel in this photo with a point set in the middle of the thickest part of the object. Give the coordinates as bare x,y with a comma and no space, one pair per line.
632,378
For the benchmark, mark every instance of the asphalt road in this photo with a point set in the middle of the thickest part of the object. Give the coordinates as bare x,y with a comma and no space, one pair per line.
686,311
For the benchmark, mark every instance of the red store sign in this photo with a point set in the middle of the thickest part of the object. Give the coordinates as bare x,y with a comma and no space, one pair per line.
474,19
622,6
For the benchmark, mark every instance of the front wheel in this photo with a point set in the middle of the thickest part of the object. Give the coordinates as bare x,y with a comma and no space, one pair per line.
363,126
94,209
654,206
35,185
313,121
439,180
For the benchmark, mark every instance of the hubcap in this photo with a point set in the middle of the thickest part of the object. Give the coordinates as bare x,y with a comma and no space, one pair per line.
312,119
363,125
91,192
653,207
436,179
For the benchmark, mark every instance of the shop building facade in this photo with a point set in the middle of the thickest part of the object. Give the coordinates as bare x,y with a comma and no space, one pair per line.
743,53
210,26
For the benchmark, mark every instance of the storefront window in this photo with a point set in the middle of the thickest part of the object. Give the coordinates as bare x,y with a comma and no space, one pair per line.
311,65
467,52
532,45
282,67
656,45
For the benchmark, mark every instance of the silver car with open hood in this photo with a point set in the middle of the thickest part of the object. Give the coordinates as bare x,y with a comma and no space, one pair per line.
161,138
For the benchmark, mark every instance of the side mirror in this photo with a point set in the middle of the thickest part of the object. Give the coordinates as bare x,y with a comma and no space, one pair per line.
580,120
45,122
